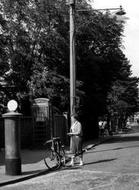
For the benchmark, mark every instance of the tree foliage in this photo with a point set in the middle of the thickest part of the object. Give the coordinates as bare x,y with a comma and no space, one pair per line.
122,99
34,38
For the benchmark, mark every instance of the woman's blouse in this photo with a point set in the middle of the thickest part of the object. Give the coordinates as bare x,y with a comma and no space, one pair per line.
77,128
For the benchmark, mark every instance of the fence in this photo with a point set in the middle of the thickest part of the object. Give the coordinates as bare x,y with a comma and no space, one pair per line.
31,137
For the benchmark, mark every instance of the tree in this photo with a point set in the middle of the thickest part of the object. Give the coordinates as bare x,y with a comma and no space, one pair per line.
35,37
34,40
123,97
99,59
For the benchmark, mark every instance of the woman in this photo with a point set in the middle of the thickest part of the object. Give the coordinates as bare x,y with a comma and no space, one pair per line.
76,139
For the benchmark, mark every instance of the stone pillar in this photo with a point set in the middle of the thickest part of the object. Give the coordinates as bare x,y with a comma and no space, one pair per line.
12,143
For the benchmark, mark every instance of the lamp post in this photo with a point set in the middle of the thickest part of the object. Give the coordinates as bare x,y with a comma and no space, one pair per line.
71,4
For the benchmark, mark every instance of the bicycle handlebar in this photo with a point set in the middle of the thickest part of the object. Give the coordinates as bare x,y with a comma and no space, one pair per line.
54,139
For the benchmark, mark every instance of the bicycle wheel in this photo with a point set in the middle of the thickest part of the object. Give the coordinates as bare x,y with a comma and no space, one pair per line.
52,160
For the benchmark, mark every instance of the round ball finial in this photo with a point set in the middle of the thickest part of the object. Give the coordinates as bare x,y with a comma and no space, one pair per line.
12,105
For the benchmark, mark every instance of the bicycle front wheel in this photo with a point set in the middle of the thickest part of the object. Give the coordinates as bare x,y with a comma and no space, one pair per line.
52,160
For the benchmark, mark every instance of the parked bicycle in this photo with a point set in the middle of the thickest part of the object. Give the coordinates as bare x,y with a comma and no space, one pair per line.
56,156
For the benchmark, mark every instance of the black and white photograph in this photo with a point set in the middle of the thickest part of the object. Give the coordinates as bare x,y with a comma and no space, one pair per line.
69,95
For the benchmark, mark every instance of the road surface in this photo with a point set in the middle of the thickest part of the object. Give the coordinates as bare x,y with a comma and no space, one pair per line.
113,165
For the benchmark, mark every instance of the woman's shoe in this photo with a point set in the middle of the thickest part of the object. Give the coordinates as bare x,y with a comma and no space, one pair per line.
81,163
71,163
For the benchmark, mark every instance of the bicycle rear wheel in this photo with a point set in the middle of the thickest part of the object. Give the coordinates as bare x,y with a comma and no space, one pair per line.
52,160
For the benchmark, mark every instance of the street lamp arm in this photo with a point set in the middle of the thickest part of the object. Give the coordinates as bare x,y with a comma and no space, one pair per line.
107,9
119,12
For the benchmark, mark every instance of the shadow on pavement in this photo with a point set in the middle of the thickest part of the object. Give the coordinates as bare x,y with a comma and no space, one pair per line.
100,161
35,174
27,156
119,148
122,139
31,172
33,156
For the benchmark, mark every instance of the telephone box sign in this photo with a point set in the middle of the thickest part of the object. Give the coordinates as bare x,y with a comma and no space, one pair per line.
70,2
41,109
41,101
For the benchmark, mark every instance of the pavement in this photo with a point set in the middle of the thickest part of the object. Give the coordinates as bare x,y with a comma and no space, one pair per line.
32,164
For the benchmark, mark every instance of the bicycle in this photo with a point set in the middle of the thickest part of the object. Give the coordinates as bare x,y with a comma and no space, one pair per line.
56,156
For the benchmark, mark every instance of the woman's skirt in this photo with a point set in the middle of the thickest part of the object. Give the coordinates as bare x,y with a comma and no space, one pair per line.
76,144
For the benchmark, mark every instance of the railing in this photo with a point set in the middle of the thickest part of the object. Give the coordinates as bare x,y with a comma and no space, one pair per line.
28,134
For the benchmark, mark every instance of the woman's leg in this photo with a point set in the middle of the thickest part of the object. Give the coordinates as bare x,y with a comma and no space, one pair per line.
72,149
79,150
81,160
72,161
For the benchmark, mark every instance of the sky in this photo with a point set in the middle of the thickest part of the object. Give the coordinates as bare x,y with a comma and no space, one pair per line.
131,31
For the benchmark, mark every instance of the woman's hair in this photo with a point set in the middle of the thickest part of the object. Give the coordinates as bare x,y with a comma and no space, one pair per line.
76,116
